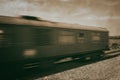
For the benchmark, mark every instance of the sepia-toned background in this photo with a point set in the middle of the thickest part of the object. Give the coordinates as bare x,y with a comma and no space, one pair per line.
99,13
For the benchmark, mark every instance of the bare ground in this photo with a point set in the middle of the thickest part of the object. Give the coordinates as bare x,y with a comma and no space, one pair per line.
104,70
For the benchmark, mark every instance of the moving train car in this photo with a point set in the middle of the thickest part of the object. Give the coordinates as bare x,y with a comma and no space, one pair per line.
27,42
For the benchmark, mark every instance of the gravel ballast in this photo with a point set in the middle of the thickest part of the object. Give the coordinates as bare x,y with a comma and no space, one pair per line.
103,70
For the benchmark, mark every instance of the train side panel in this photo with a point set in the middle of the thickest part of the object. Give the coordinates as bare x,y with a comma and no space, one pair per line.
74,42
32,42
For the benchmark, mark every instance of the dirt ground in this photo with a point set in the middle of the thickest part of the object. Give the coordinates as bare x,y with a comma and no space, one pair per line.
103,70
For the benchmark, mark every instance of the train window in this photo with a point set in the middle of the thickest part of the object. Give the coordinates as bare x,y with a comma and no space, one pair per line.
1,31
96,36
81,35
42,37
66,37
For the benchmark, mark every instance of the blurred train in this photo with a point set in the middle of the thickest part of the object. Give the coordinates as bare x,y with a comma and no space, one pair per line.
27,42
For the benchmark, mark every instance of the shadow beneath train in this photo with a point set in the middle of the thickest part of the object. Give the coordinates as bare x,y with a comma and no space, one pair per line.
62,66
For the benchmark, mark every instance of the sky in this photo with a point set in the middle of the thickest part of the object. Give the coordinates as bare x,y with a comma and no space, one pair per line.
98,13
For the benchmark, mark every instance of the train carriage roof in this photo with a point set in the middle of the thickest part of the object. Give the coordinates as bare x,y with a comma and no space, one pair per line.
45,23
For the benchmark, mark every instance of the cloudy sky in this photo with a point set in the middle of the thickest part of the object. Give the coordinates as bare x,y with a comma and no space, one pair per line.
99,13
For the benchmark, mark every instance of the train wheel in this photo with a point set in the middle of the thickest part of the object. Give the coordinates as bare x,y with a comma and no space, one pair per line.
48,63
85,58
99,55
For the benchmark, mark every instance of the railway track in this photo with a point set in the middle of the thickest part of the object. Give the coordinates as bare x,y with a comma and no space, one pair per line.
66,64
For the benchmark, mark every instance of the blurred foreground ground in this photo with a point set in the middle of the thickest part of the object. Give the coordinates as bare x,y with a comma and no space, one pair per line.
103,70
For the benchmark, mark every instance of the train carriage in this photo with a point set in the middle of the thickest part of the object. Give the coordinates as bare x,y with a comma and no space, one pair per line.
25,40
